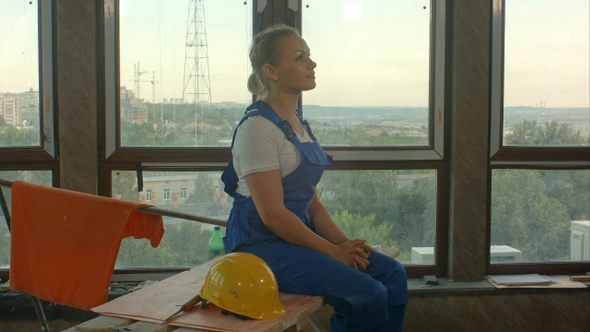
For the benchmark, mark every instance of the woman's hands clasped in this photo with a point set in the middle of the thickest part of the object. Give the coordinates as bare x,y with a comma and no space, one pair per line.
354,253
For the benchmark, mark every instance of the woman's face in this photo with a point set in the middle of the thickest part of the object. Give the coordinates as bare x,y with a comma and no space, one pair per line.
295,70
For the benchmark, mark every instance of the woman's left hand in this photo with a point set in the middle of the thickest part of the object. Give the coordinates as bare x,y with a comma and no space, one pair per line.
366,248
363,252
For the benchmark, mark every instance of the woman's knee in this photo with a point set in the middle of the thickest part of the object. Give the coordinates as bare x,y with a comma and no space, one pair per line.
363,308
369,297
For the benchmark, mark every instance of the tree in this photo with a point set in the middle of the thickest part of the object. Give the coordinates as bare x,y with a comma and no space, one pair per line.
530,133
364,227
184,244
11,136
124,184
383,206
570,188
526,218
203,189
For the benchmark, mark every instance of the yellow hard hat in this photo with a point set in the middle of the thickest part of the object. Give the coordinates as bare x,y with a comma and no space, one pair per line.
243,284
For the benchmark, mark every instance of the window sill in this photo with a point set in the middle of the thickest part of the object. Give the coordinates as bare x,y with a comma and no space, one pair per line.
446,287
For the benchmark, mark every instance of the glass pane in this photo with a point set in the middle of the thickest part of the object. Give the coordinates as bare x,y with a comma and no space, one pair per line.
372,71
185,241
183,71
38,177
19,81
393,210
540,215
547,75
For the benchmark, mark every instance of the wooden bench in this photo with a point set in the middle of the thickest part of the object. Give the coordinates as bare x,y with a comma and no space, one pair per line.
146,308
299,308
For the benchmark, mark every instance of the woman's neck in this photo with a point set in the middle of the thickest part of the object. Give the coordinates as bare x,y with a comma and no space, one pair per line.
285,106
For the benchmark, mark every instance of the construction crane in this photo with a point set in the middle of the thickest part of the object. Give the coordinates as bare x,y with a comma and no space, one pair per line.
137,81
153,83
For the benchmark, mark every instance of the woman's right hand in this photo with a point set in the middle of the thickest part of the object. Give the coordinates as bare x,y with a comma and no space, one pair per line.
352,254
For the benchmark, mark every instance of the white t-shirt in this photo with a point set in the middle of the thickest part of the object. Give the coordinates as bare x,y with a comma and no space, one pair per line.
261,146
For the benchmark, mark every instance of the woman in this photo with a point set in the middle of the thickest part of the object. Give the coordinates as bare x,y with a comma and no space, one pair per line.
277,214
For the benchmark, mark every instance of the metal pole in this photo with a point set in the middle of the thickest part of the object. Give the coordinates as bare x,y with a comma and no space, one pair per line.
40,314
159,211
194,217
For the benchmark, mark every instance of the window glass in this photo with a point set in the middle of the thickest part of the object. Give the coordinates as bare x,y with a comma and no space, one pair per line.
183,71
19,81
546,73
185,241
372,74
540,215
393,210
38,177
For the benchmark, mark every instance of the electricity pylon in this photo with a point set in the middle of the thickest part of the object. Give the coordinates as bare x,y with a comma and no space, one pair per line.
196,87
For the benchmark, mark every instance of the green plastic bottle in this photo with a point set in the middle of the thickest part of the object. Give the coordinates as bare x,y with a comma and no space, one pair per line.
216,247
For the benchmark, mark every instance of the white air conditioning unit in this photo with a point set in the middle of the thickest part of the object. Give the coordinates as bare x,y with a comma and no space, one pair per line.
499,254
422,255
504,254
580,240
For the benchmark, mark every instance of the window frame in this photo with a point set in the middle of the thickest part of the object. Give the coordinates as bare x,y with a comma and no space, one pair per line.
512,155
44,155
115,158
519,157
111,135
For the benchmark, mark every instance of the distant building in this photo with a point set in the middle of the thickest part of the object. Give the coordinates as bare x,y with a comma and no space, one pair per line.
132,109
20,109
173,190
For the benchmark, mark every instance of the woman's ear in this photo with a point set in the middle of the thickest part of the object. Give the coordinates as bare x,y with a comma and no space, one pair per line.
270,72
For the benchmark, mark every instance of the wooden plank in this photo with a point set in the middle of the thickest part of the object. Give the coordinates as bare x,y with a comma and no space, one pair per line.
580,278
110,323
101,323
149,327
158,301
297,321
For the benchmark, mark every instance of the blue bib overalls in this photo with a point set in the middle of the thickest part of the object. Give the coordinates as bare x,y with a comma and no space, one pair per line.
369,300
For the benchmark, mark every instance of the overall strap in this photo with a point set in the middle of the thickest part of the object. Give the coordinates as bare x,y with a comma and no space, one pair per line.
263,109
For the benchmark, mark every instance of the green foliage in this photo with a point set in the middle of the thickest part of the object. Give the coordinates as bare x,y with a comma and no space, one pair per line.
11,136
531,210
364,227
530,133
124,184
203,189
571,189
526,217
397,205
367,135
184,244
182,125
144,134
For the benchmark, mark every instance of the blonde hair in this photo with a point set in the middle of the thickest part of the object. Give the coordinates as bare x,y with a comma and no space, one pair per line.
265,49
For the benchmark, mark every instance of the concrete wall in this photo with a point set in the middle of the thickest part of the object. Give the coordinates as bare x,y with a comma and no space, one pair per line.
505,311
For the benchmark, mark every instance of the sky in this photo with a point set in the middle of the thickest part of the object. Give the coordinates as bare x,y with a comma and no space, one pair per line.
18,51
369,52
